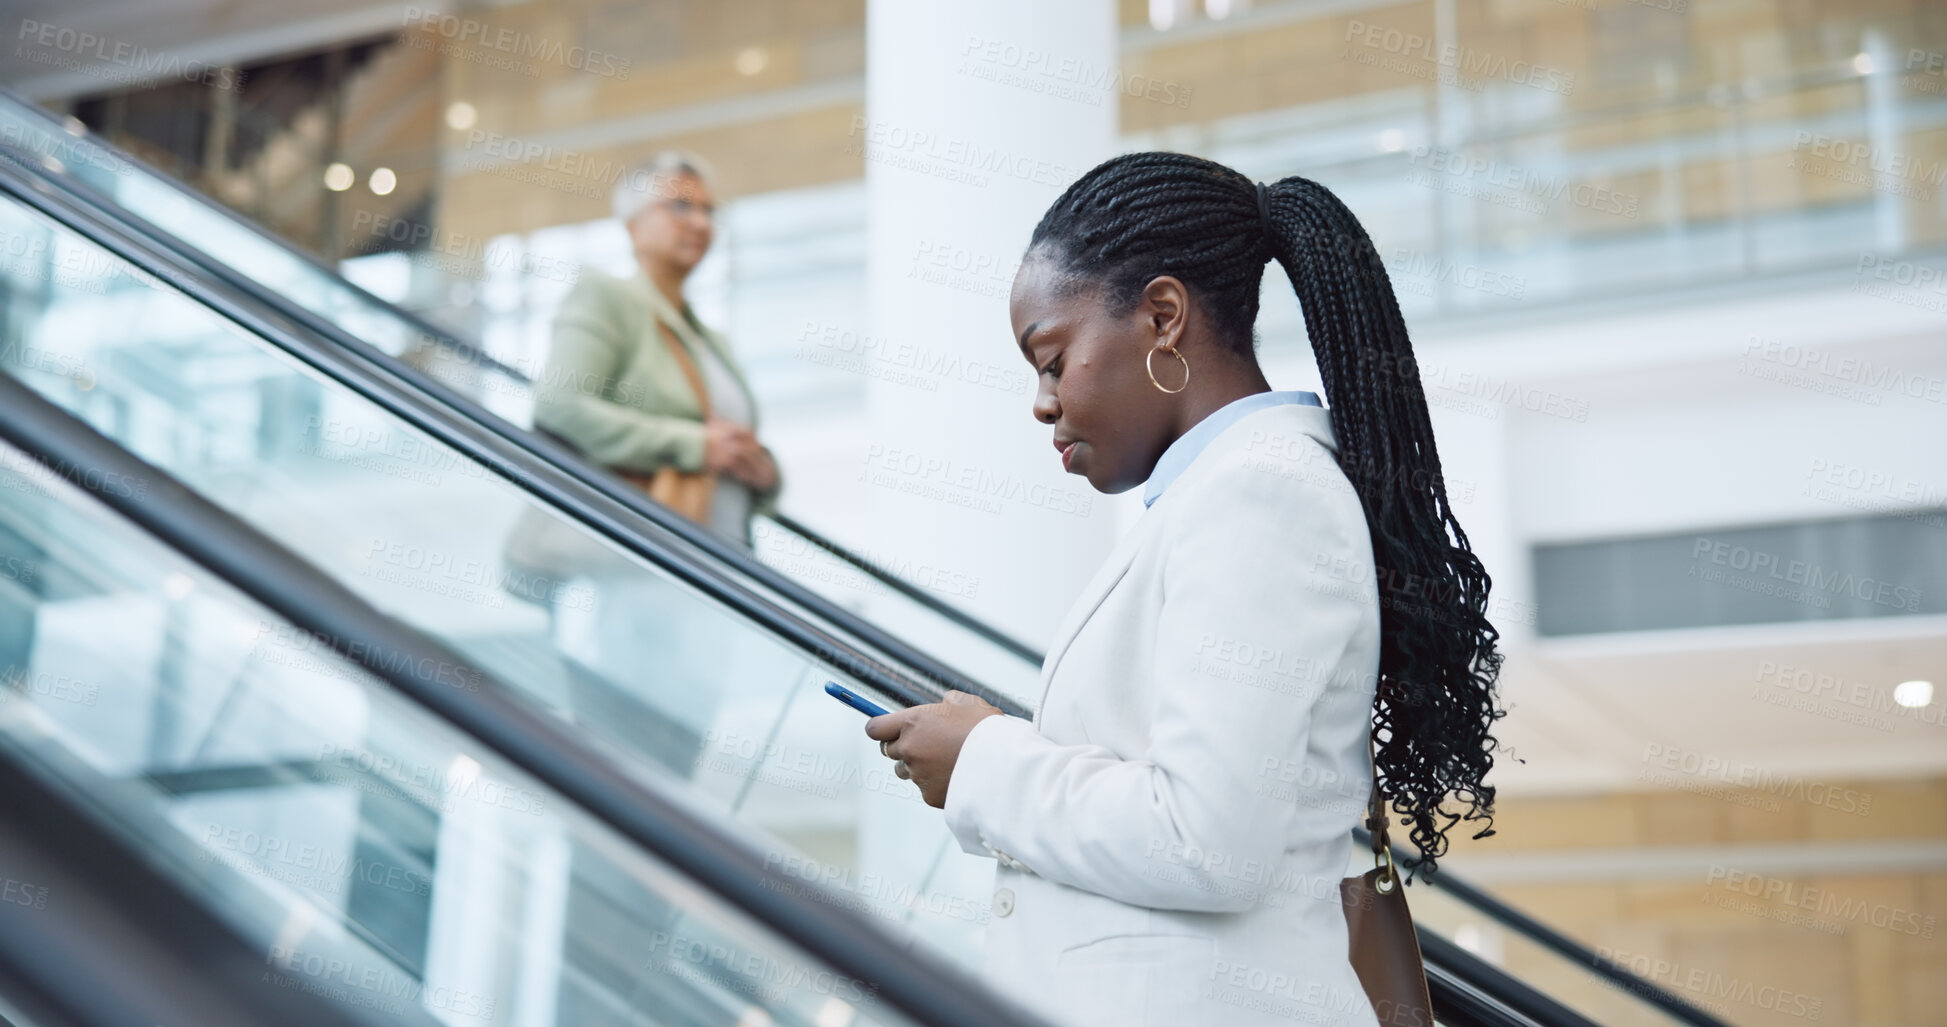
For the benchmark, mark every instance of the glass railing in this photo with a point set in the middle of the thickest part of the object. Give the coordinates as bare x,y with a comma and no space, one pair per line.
371,854
501,397
1475,209
651,671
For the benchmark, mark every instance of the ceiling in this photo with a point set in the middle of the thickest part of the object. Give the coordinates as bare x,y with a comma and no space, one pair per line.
208,31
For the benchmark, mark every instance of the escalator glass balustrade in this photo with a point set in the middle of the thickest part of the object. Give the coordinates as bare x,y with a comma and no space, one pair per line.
371,854
659,677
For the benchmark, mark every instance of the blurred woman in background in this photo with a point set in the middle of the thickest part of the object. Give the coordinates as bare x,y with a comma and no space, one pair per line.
638,384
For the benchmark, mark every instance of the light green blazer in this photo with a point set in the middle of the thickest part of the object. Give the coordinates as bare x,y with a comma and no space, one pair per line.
613,390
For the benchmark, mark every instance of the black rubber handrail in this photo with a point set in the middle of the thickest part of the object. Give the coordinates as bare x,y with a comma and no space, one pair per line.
1491,986
1458,1004
426,671
105,938
546,469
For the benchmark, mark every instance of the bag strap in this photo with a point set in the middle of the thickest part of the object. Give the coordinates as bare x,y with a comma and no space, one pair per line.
687,363
1376,818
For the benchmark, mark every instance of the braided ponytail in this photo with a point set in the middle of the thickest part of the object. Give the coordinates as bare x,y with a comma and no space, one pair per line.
1142,215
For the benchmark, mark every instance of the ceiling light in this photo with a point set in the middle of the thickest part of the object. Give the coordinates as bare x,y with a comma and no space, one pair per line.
383,181
752,61
339,177
461,116
1863,63
1913,694
1162,14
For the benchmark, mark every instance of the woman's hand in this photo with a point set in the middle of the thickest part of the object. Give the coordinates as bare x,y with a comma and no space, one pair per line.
757,469
732,449
926,740
727,446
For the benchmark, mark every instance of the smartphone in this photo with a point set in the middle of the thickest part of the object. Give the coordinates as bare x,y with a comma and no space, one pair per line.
854,700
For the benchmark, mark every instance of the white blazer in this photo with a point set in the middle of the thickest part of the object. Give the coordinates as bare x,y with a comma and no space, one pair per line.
1172,827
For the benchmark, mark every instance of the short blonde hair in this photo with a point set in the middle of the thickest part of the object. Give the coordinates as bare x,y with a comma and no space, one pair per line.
641,187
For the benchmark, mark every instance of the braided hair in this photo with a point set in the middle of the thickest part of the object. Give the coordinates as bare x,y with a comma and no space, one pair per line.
1142,215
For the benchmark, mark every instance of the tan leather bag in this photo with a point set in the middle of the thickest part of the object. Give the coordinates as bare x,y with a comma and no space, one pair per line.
547,550
686,492
1385,949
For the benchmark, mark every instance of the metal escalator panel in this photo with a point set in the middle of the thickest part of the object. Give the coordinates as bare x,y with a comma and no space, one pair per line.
651,671
369,853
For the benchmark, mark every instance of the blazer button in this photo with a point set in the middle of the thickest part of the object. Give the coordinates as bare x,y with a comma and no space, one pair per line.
1003,901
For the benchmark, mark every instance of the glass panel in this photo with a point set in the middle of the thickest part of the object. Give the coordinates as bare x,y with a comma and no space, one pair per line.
651,672
374,855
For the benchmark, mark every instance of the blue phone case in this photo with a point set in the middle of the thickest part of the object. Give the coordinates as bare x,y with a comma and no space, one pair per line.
853,699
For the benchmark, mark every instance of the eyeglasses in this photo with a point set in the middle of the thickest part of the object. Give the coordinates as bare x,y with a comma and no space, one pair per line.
684,208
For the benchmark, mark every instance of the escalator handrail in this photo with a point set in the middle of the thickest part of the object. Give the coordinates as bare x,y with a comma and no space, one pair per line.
107,915
1551,939
1500,989
437,678
541,466
577,465
1458,1004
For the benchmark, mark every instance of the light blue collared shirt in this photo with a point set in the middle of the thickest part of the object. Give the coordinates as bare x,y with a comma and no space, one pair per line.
1184,450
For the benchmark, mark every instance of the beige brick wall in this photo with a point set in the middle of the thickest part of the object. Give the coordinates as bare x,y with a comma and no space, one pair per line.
1756,960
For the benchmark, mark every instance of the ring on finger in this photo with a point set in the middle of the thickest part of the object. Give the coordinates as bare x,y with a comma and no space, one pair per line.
883,751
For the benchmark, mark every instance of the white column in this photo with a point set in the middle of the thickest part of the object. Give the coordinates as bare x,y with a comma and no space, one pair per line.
977,117
1883,133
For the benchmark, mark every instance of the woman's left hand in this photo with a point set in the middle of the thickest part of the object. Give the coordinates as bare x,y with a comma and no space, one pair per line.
926,740
758,470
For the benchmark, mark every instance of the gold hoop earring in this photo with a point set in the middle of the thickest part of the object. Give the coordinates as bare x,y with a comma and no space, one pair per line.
1149,365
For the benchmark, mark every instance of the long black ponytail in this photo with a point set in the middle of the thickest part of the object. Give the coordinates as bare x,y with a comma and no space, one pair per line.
1142,215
